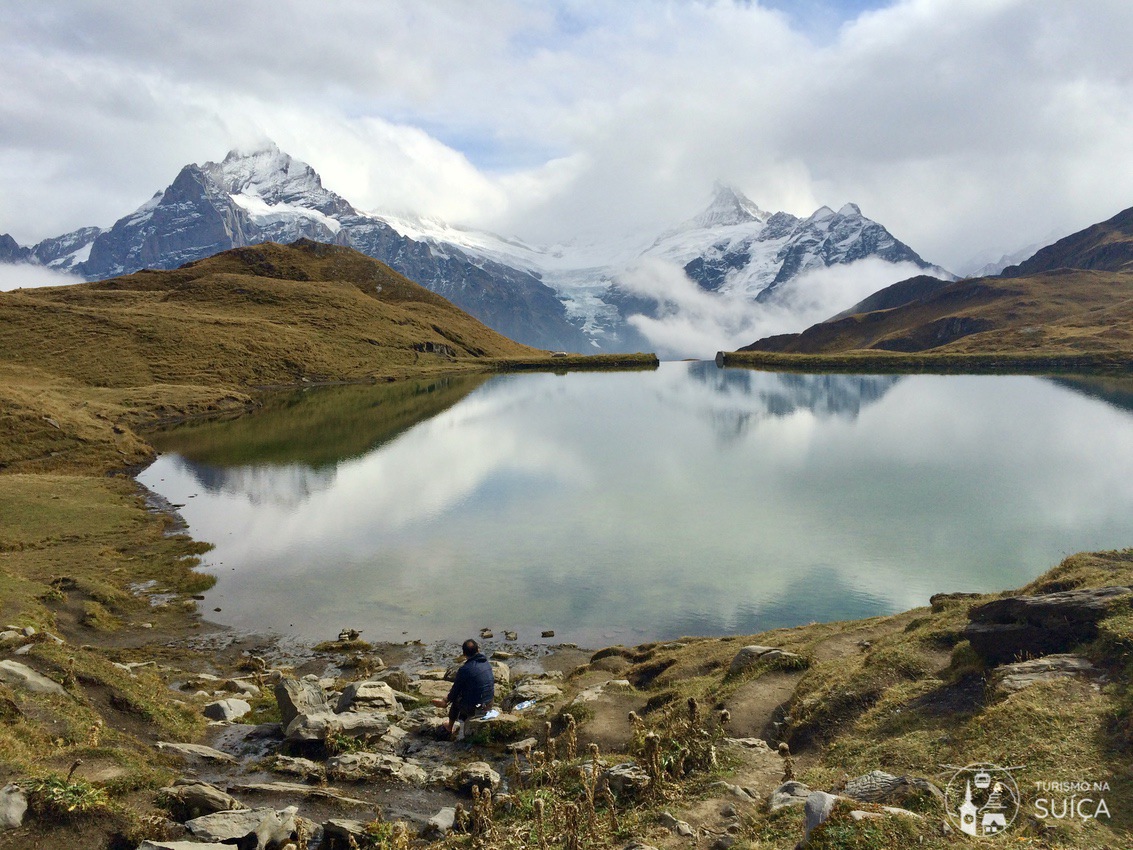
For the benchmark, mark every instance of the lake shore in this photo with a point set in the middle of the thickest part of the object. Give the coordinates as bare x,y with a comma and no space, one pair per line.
882,362
89,561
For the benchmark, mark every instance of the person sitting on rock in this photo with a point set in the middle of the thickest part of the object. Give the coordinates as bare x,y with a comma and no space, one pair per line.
473,689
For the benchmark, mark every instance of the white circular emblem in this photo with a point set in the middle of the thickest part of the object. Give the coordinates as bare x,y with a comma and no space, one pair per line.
982,799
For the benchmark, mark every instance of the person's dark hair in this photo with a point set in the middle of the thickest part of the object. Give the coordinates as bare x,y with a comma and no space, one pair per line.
470,648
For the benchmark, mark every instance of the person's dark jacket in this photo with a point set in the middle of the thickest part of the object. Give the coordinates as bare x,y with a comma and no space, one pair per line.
475,684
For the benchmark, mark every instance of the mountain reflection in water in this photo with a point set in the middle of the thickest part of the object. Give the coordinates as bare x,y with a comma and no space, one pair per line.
635,506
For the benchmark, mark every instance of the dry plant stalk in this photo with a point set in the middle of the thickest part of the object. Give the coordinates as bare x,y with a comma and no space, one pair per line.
788,762
540,824
570,739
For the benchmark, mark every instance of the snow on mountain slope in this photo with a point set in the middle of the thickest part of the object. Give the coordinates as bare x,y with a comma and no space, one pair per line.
570,296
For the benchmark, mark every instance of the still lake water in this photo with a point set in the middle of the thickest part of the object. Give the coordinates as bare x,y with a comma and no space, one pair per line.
624,507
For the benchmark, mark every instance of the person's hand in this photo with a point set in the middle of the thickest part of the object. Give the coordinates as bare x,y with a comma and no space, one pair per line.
439,703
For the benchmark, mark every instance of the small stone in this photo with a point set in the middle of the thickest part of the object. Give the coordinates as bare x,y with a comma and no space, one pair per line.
511,636
396,679
791,793
747,657
227,710
626,779
486,634
440,824
478,774
524,746
548,633
339,832
28,631
743,794
677,827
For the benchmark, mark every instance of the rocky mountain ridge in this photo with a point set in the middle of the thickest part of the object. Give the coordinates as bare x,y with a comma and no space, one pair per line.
551,298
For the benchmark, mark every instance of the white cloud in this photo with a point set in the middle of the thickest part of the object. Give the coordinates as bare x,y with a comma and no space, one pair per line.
28,276
696,323
963,125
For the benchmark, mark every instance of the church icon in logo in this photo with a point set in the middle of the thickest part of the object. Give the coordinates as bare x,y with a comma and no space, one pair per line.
982,799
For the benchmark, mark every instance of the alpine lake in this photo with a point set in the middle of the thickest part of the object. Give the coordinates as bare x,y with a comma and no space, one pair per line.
624,507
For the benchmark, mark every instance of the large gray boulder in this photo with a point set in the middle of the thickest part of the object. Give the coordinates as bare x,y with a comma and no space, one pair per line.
816,809
320,726
368,696
21,676
1019,627
300,696
13,805
271,828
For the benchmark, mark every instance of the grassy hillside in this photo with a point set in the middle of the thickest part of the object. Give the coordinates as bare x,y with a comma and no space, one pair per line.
82,365
1069,315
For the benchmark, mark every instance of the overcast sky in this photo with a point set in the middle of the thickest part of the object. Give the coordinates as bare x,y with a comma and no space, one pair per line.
962,125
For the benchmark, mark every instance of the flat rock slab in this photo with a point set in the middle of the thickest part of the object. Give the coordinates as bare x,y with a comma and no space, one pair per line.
182,845
358,767
197,751
22,676
236,824
432,689
1014,677
300,790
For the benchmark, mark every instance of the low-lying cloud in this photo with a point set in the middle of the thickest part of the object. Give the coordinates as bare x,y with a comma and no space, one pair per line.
29,276
691,322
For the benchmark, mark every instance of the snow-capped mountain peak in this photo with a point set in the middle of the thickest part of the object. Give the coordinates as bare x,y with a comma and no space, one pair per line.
271,175
729,207
823,213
